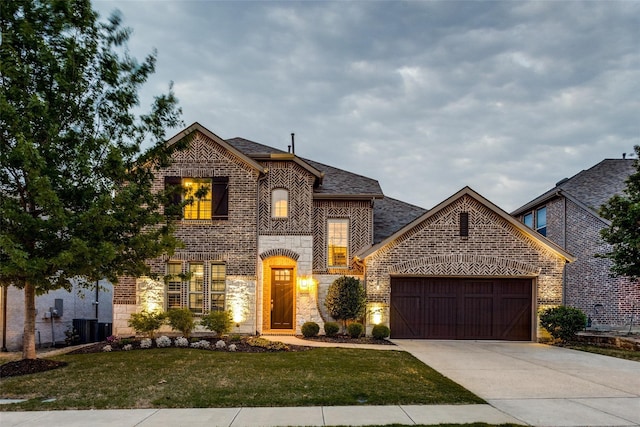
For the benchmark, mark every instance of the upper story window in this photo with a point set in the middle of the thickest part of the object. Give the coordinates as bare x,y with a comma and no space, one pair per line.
201,198
280,203
537,220
337,242
541,221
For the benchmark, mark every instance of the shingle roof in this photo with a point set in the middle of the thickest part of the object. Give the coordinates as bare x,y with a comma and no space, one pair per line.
336,182
252,148
592,187
390,215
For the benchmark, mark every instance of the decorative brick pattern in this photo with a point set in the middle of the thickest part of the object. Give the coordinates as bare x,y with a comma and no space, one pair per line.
299,183
493,248
280,252
360,215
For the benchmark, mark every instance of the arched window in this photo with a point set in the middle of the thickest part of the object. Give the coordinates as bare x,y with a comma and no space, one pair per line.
280,203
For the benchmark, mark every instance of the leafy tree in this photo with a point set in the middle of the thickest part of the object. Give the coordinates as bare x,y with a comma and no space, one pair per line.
624,232
76,197
346,299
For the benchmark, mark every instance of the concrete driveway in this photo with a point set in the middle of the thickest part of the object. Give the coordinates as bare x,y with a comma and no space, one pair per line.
538,384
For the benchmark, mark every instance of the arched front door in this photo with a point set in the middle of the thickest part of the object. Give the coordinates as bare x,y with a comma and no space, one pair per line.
282,298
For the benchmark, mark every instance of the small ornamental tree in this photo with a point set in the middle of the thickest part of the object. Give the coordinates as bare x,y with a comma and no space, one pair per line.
346,299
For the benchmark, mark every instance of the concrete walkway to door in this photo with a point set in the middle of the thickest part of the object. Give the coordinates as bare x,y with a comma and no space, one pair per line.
538,384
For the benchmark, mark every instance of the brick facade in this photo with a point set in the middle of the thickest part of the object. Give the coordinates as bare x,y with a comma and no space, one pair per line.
494,248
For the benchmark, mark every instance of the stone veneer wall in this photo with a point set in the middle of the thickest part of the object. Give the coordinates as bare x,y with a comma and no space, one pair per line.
494,248
299,249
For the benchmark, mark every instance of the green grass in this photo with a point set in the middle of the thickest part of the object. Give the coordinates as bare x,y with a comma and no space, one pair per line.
613,352
191,378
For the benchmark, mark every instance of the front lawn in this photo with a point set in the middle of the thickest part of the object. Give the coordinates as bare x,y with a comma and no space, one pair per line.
192,378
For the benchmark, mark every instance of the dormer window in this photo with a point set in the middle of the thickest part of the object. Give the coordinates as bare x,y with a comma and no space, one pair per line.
280,203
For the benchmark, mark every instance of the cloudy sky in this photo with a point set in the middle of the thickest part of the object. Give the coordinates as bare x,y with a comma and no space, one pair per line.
425,96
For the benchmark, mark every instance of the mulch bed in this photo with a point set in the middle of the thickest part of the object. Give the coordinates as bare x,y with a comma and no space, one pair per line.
346,339
29,366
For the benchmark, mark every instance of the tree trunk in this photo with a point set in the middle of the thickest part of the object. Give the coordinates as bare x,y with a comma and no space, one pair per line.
29,336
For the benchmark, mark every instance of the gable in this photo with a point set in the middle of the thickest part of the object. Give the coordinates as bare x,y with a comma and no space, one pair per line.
490,230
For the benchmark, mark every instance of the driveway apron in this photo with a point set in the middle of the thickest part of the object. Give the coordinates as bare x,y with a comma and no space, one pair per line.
539,384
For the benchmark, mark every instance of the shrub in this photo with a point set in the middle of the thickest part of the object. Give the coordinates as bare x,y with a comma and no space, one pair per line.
331,329
107,348
380,332
127,347
235,338
355,330
221,344
181,342
218,321
269,345
310,329
346,299
163,342
181,319
233,347
201,344
563,322
146,323
146,343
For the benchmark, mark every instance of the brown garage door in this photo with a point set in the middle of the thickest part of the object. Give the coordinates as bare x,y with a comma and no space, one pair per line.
461,308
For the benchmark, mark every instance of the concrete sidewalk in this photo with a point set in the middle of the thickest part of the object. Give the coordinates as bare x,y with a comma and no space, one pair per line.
257,417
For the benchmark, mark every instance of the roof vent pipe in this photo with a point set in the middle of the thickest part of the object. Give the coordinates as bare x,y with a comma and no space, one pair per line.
624,155
293,143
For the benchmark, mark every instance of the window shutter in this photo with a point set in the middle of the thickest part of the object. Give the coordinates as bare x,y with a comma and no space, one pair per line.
173,197
464,224
220,197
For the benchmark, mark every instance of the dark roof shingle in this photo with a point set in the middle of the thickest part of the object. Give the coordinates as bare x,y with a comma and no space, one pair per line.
390,215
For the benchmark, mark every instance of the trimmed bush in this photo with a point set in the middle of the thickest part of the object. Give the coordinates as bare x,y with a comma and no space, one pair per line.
380,332
355,330
147,323
310,329
346,299
563,322
331,329
218,321
181,319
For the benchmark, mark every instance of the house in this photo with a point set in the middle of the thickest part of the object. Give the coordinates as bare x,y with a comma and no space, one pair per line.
568,215
87,309
275,230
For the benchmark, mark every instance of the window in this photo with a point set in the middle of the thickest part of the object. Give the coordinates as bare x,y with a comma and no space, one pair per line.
196,287
464,224
174,285
218,286
541,221
198,193
337,242
197,198
537,220
280,203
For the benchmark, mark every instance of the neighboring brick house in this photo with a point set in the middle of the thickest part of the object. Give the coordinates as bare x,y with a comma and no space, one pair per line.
275,230
568,215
